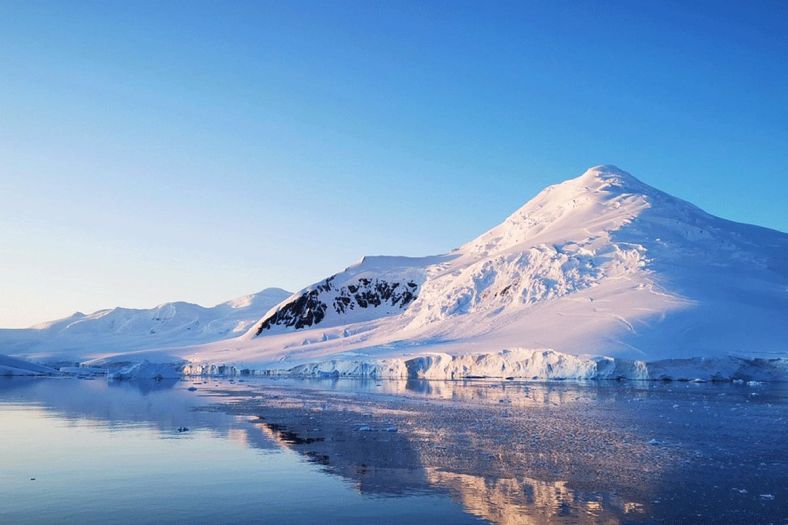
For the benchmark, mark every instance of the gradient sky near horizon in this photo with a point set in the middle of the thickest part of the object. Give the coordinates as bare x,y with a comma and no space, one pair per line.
158,151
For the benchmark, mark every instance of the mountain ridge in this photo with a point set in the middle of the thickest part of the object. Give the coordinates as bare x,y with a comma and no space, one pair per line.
168,324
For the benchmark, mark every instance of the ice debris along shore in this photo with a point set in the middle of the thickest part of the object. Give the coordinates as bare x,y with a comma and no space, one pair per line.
516,363
520,364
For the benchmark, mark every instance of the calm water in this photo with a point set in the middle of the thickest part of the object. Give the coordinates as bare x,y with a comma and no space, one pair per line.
291,451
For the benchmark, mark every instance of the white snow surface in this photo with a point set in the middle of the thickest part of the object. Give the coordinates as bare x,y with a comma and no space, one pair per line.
81,336
600,265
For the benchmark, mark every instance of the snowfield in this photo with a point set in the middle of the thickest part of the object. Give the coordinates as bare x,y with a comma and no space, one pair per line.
601,276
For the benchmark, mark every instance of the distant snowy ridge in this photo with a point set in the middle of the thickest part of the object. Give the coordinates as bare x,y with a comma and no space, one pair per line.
129,329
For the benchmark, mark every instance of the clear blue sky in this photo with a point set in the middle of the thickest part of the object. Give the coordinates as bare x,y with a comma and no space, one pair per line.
198,151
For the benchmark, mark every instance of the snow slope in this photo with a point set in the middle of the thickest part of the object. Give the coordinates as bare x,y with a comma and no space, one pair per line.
125,329
602,264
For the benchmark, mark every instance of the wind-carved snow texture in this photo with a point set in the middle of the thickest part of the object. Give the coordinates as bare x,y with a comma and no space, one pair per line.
524,278
310,306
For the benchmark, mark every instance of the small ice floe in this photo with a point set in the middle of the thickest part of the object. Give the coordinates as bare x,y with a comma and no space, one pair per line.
740,491
675,406
390,429
655,442
768,497
364,428
192,389
183,429
754,383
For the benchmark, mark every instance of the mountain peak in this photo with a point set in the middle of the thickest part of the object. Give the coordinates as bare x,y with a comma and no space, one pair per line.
610,178
607,170
601,199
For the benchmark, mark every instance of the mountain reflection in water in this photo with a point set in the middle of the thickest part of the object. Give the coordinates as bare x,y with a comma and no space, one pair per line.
514,452
506,452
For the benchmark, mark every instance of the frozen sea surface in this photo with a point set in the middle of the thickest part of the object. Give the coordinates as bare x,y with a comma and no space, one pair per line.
301,451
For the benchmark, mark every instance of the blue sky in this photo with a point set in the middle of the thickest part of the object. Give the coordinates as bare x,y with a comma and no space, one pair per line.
198,151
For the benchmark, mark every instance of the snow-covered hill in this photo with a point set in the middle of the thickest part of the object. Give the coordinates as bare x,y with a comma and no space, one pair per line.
126,329
602,264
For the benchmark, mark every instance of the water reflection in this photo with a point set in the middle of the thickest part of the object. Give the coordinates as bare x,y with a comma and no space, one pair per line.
507,452
476,453
526,501
515,392
515,453
161,405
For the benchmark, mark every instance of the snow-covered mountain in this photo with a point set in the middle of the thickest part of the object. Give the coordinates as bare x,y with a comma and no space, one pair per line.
602,264
599,276
125,329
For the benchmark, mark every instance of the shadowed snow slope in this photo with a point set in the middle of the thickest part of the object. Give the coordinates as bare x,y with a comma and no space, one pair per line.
125,329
